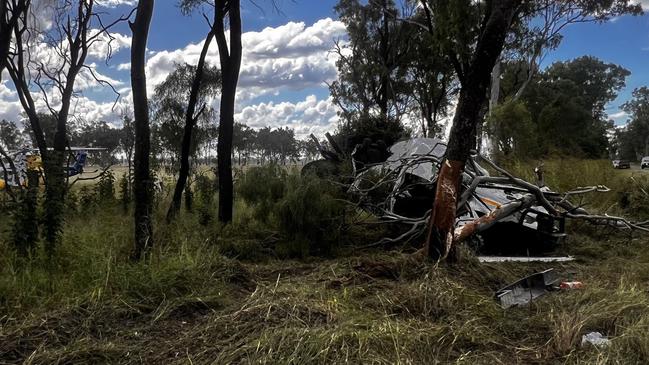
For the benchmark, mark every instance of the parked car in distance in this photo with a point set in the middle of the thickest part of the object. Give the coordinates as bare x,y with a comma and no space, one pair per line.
621,164
644,164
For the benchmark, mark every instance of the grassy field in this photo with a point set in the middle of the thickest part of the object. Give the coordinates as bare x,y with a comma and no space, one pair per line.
212,294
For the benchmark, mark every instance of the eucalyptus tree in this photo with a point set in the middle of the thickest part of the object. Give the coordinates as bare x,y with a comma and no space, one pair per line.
68,31
142,185
172,104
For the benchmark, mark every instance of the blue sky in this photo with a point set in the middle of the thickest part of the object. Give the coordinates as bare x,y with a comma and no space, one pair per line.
287,61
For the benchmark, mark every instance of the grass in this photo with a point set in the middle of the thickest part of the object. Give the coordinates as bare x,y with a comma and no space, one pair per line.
212,294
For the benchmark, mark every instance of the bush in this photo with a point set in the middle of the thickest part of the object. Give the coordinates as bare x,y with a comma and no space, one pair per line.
125,189
634,197
262,187
205,188
106,187
310,216
304,209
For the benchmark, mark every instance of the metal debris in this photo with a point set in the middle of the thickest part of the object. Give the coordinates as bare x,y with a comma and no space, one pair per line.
595,338
527,289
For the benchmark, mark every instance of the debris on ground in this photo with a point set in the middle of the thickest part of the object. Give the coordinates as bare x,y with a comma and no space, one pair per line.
596,339
527,289
491,259
571,285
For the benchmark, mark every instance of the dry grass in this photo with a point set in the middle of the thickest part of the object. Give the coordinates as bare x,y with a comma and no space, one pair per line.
190,304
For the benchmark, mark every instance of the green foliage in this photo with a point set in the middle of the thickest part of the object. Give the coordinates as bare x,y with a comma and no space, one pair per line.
306,210
263,187
562,111
632,142
372,71
512,131
106,187
311,216
205,189
24,229
633,197
125,191
87,199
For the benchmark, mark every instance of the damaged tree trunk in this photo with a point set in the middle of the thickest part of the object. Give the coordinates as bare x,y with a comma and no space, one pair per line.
462,138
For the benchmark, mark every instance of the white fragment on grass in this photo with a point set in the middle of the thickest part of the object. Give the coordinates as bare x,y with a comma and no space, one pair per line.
524,259
595,338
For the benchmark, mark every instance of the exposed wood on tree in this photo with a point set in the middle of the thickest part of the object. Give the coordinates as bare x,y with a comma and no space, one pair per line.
462,138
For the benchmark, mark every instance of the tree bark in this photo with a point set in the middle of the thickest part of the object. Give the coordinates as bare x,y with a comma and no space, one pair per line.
190,122
230,65
462,138
142,187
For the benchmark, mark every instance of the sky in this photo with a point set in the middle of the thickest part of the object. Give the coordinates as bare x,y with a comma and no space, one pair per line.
287,61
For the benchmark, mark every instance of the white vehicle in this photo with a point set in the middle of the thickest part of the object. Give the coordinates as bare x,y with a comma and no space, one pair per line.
644,164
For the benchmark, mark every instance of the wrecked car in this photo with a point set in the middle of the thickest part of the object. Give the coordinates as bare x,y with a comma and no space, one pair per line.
408,178
497,214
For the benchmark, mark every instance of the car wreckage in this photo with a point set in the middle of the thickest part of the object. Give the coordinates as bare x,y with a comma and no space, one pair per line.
515,216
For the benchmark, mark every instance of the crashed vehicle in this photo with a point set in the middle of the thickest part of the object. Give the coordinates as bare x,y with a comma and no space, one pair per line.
402,189
410,176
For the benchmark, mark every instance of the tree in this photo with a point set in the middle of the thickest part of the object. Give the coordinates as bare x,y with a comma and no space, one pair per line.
372,90
230,59
243,141
633,141
204,82
473,59
76,28
432,82
143,187
543,21
10,136
127,145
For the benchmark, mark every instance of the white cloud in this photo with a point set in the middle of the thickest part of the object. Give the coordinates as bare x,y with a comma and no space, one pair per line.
291,56
619,115
308,116
644,3
115,3
106,45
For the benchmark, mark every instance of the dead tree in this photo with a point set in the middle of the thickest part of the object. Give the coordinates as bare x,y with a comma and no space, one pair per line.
143,187
190,121
70,40
474,78
230,60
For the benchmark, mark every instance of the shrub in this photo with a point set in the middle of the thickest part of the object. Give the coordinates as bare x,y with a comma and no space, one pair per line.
310,216
125,189
205,188
106,187
262,187
634,197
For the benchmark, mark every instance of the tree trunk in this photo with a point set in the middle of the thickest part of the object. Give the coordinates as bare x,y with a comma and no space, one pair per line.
190,122
230,65
142,187
462,138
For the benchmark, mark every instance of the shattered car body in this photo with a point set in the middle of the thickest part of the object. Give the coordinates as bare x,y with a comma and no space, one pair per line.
407,182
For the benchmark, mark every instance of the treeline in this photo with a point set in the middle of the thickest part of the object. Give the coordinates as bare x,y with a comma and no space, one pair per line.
561,112
632,141
265,145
